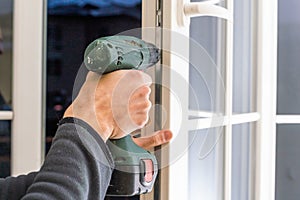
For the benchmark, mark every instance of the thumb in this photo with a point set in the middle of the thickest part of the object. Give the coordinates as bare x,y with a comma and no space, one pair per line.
156,139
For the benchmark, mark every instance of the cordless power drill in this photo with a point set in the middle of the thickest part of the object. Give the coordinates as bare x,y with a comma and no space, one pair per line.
135,168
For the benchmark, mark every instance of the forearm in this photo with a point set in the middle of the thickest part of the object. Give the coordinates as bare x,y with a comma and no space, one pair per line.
78,166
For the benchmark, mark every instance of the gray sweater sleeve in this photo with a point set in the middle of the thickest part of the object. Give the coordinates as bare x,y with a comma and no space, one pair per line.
78,166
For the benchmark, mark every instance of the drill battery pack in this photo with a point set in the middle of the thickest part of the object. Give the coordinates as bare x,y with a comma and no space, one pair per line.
135,168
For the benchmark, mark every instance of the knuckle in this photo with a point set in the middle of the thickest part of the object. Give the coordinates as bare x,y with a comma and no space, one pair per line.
140,123
147,90
144,91
158,139
142,120
145,105
148,104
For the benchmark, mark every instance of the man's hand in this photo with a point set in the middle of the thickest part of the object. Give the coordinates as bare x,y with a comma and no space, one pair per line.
115,104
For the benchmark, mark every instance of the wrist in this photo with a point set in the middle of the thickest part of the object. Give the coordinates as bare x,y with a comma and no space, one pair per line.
99,124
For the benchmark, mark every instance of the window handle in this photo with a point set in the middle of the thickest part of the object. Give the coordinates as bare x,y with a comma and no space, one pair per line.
199,9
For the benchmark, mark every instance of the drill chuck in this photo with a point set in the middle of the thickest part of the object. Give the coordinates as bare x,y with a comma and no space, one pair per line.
108,54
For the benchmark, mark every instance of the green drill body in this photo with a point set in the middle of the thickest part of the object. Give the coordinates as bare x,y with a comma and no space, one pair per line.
135,168
108,54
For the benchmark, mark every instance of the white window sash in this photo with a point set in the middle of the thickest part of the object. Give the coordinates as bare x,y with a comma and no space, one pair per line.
27,132
288,119
265,50
266,99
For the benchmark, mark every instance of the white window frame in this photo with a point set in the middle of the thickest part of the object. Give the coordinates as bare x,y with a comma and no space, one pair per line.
266,99
28,119
173,187
28,82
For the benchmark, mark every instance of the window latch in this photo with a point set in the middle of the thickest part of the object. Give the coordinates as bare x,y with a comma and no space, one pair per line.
199,9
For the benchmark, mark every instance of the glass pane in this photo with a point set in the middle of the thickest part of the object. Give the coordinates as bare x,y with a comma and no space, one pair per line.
288,162
243,162
288,57
6,10
206,172
6,51
242,57
71,27
207,64
5,130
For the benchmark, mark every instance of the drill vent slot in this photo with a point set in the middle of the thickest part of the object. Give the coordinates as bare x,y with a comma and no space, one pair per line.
109,45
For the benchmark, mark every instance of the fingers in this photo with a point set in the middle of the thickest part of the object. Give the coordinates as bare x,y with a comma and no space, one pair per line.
139,101
158,138
130,82
143,91
115,102
139,106
130,100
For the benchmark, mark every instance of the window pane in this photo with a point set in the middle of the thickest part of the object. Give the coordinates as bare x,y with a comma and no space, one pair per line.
6,9
242,162
5,130
207,64
71,27
6,50
288,57
206,170
288,162
242,57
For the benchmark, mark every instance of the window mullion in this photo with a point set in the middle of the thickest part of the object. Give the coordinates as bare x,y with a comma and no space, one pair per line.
6,115
228,104
288,119
266,100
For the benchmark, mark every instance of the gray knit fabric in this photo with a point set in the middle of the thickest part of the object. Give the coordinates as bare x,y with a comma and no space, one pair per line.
78,166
